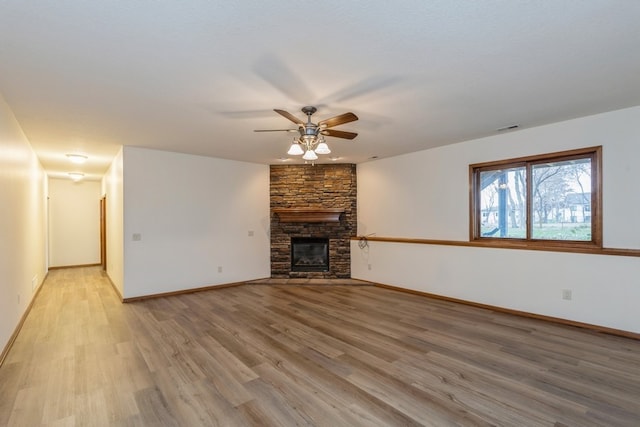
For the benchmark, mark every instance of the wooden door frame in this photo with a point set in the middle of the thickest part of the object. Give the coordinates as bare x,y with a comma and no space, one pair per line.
103,232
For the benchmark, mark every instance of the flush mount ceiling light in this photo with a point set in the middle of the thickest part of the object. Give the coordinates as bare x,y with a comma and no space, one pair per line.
76,176
77,158
311,141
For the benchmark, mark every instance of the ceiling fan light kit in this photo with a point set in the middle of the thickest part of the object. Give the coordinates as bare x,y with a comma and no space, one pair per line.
295,149
311,141
310,155
322,148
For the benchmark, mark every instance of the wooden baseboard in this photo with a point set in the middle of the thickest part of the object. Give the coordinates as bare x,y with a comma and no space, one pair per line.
596,328
12,339
182,292
59,267
113,286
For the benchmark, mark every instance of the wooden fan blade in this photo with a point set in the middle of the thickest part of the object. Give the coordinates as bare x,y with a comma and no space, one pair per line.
275,130
338,120
290,116
339,133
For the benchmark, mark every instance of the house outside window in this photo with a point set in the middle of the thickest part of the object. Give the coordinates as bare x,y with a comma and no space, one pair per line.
551,199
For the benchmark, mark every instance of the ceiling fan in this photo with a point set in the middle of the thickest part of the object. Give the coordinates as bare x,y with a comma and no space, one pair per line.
312,134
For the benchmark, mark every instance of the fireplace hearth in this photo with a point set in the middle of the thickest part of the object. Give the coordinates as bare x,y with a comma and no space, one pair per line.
309,254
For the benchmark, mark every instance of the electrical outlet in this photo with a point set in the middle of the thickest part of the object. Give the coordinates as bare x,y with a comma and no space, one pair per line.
250,233
136,237
369,266
220,269
566,294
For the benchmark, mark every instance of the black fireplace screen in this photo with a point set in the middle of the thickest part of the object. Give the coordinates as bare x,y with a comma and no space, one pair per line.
309,254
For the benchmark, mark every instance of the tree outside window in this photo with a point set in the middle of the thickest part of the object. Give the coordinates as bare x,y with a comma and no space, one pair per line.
548,198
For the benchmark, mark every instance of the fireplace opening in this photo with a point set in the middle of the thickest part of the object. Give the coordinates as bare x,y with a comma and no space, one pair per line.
309,254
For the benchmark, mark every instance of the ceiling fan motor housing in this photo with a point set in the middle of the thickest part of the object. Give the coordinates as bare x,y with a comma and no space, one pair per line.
309,128
309,110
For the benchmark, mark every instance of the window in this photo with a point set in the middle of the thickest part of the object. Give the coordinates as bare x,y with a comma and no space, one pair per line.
545,200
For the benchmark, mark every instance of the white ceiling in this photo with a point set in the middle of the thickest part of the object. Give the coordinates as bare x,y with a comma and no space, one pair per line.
199,76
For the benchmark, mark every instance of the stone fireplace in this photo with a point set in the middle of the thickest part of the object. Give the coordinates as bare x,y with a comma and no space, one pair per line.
313,206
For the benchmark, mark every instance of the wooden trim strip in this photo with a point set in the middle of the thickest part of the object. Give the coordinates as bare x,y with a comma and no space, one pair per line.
181,292
114,287
506,245
595,328
60,267
13,337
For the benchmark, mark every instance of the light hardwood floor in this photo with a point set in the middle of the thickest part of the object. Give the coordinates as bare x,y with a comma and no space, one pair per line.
286,355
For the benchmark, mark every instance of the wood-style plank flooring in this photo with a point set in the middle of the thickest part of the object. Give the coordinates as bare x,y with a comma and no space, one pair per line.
287,355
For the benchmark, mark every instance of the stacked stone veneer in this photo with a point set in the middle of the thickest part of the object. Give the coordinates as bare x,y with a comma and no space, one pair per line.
307,186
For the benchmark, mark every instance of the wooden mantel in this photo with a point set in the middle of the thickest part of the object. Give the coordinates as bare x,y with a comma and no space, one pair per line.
309,214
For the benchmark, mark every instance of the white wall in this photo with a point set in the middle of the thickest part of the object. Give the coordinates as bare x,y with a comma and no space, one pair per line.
113,191
74,222
193,215
22,223
426,195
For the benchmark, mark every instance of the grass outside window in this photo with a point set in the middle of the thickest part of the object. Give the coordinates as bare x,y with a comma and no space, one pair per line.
546,200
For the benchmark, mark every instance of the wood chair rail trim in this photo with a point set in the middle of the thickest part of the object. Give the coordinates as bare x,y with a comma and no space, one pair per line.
521,245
